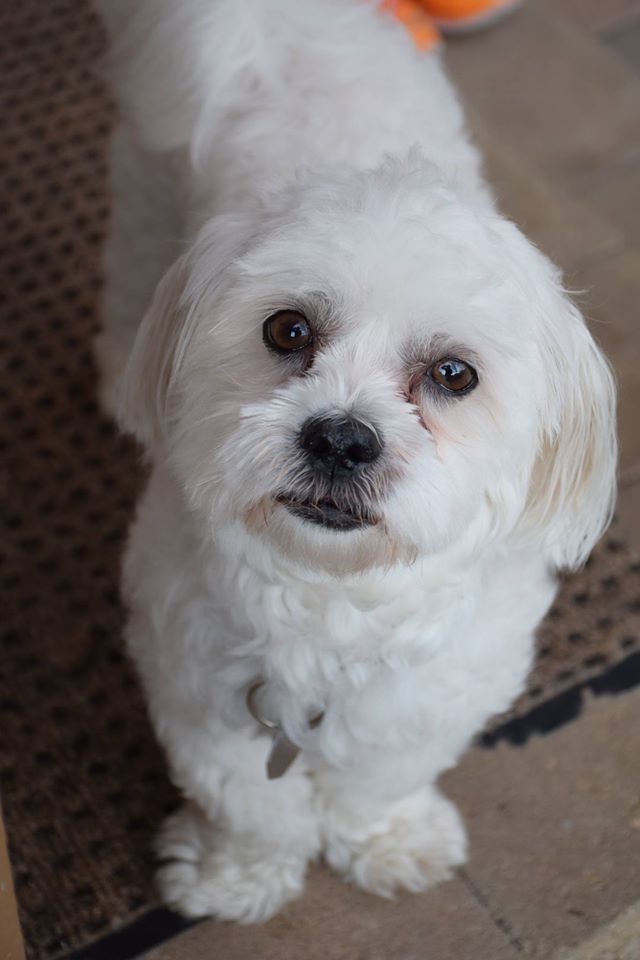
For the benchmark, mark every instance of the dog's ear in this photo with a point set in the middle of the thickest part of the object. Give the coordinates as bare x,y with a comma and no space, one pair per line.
146,391
573,484
143,391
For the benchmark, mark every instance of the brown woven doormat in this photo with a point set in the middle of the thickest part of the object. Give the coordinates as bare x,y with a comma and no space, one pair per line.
83,783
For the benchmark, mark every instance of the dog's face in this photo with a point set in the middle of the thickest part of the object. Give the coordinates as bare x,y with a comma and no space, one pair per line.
372,370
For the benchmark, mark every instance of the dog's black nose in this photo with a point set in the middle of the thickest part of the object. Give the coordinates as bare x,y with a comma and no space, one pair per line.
339,443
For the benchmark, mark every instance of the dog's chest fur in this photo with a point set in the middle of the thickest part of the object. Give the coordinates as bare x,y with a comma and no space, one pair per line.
404,642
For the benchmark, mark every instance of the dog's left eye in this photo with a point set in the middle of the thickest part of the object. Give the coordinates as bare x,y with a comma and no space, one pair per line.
454,376
287,331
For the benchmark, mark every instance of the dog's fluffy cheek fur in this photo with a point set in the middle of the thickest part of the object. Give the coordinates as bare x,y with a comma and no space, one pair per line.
429,505
453,476
447,489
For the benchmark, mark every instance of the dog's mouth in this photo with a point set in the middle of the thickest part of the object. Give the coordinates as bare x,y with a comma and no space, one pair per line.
327,513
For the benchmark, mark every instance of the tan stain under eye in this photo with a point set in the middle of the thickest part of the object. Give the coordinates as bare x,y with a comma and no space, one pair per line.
287,331
453,375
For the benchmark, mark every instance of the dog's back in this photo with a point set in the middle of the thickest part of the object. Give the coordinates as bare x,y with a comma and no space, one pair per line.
304,79
222,100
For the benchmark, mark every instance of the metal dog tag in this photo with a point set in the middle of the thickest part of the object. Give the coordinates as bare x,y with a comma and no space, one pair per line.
283,750
283,753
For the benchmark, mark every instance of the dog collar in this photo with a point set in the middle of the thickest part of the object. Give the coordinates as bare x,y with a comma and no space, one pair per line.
283,750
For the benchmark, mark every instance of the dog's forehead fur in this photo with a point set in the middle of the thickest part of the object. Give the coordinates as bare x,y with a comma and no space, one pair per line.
398,259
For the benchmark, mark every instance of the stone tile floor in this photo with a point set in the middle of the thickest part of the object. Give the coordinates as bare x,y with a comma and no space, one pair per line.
555,842
554,99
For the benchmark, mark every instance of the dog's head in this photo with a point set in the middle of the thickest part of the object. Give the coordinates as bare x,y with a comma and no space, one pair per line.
374,368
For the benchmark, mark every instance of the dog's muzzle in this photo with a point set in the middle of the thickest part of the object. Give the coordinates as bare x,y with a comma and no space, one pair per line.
337,450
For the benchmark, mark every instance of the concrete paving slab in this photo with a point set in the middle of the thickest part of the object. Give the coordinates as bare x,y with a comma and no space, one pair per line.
336,922
555,95
569,231
616,201
555,826
619,940
624,39
595,15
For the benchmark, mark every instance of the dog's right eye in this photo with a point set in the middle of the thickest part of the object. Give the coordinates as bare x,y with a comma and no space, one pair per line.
454,376
287,331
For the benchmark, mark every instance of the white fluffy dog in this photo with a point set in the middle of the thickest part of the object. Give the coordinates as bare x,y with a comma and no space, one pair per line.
377,427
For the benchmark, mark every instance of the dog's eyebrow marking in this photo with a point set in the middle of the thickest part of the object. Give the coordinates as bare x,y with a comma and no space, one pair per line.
420,353
317,306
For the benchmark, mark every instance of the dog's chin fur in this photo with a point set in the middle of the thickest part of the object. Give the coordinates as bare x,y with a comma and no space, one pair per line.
336,553
300,155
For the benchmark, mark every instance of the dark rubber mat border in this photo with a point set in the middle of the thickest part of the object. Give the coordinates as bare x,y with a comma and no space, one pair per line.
565,707
150,930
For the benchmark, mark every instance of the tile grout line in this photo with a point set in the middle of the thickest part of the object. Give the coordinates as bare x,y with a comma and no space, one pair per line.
611,31
623,931
498,921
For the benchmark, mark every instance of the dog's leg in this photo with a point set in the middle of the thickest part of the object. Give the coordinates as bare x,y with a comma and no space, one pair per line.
384,843
143,240
240,850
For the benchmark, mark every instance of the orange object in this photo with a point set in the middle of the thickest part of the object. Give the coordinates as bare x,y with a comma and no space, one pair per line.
412,15
460,15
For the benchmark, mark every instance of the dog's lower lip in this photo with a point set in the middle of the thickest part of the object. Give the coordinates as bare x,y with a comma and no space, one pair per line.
326,513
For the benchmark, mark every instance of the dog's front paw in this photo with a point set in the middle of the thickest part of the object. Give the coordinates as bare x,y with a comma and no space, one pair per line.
416,846
208,873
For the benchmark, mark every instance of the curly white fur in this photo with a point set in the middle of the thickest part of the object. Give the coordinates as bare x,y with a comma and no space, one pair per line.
301,154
